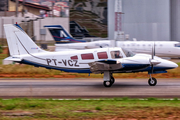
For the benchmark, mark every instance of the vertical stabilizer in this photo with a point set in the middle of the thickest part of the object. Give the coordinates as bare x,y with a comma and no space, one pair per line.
18,41
61,35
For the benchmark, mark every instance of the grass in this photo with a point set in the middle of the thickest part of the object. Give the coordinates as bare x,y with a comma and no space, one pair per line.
27,71
91,109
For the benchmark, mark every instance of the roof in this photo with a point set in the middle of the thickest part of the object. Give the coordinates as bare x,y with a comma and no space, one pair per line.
28,4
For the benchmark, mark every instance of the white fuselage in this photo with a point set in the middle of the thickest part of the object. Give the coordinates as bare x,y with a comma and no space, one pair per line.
162,48
78,60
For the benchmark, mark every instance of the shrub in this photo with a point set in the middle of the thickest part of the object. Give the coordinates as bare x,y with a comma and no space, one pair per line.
1,50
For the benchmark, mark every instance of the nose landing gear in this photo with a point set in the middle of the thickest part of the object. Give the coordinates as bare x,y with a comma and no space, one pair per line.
152,81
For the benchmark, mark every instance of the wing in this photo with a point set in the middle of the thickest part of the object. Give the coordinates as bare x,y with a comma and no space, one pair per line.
104,65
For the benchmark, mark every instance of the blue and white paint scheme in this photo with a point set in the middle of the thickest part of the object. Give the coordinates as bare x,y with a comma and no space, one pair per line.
100,60
61,35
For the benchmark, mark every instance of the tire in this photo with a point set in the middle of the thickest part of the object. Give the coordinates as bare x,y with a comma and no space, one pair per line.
107,83
152,82
112,80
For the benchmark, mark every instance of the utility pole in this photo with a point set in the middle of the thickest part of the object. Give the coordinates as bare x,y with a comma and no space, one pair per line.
23,11
5,8
52,8
17,4
118,26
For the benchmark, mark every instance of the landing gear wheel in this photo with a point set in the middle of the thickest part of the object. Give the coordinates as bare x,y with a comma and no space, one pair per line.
112,80
107,83
152,82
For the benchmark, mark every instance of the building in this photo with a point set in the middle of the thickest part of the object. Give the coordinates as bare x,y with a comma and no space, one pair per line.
90,14
150,20
28,7
33,21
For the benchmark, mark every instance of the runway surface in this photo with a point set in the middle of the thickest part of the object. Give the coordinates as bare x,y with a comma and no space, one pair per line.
87,88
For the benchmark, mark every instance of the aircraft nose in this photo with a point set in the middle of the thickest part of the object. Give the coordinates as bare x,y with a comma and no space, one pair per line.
175,65
172,64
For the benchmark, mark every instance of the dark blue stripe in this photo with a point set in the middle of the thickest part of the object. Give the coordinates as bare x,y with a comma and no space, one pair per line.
132,67
157,68
56,68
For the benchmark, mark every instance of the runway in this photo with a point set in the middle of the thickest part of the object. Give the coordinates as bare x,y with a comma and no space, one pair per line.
87,88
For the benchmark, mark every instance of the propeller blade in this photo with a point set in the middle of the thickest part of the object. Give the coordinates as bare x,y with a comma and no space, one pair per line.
153,62
153,50
154,47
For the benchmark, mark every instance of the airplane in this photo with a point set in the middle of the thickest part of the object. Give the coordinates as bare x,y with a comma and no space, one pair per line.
77,31
168,49
62,36
100,60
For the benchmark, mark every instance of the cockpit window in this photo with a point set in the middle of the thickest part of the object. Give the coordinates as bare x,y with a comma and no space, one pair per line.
116,54
128,53
177,45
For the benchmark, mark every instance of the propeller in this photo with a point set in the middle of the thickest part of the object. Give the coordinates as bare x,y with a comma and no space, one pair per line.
153,61
153,50
153,54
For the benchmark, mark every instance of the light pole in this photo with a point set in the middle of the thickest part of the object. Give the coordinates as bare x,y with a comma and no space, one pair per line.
17,3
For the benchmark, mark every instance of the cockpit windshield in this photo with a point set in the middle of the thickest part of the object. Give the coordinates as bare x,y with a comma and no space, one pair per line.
128,53
177,45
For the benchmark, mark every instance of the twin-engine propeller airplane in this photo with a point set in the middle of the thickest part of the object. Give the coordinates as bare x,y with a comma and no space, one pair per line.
101,60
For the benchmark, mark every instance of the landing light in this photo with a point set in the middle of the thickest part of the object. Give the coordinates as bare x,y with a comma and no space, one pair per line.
118,62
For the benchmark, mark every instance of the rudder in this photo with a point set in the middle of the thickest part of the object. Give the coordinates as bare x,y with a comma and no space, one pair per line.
18,41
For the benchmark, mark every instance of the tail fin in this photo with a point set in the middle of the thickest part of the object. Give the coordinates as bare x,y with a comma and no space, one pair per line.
60,35
18,41
77,31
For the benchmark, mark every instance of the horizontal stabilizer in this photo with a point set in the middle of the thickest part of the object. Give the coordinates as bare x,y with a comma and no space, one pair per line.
15,59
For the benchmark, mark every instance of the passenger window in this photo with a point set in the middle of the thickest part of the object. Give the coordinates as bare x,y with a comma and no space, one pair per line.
102,55
74,57
116,54
87,56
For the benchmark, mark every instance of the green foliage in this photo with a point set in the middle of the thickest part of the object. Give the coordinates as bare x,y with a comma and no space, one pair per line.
125,98
90,109
1,49
152,99
178,63
10,107
98,108
176,99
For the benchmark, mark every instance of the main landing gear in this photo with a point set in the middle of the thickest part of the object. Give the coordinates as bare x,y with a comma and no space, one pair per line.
109,83
108,79
152,81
